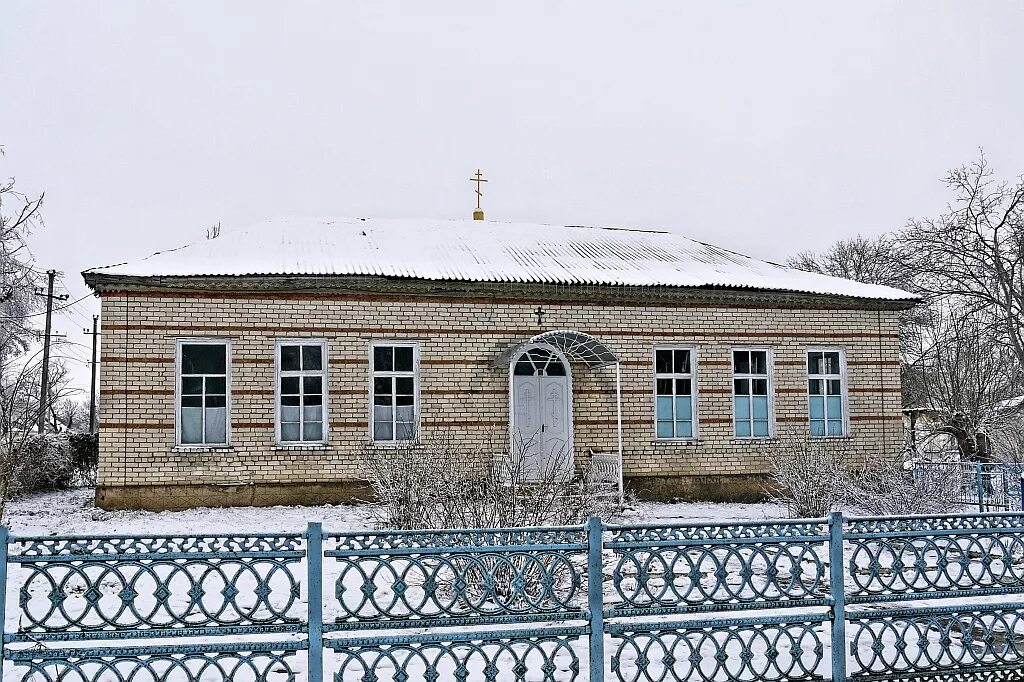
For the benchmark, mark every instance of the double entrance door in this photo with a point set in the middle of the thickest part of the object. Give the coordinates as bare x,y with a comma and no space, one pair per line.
541,422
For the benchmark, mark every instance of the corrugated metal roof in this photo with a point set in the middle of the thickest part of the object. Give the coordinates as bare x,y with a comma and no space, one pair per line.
483,251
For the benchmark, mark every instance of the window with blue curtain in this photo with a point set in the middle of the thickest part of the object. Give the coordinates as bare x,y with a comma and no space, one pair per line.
825,393
673,393
751,393
302,385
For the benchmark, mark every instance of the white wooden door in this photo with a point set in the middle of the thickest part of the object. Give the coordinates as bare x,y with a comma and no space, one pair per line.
540,412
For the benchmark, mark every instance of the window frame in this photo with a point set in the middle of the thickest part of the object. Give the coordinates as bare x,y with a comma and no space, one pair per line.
278,343
694,391
202,341
415,345
770,374
843,393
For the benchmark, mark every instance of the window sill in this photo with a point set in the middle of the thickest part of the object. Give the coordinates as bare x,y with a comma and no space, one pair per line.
203,448
390,444
753,439
302,446
676,441
843,437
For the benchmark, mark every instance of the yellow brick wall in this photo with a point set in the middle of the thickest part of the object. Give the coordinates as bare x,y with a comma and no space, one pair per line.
459,392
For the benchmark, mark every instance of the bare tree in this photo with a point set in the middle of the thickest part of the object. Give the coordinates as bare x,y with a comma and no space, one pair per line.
68,414
973,253
885,261
19,215
881,260
969,382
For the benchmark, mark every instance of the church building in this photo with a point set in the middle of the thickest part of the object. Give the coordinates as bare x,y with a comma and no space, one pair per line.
265,365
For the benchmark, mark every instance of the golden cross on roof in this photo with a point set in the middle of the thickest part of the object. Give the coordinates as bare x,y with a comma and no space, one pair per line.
478,178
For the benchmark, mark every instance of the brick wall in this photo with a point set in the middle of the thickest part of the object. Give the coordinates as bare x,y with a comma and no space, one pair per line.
459,392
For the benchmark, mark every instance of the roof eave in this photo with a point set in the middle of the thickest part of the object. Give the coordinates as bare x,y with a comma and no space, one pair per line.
364,284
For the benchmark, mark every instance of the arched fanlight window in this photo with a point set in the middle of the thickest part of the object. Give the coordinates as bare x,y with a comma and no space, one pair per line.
539,362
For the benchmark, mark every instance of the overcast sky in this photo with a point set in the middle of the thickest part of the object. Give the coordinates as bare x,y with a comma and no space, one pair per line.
763,127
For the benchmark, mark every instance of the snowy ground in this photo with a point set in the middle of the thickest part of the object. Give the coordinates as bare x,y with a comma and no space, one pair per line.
74,513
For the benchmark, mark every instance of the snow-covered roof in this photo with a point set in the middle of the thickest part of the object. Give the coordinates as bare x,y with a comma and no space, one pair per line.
483,251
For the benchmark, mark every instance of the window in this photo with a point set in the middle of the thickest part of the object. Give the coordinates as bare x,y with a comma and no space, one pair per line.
301,389
751,393
394,392
825,379
673,393
539,362
203,392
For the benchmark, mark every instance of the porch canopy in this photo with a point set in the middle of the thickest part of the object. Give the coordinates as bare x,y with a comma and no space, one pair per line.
592,352
576,345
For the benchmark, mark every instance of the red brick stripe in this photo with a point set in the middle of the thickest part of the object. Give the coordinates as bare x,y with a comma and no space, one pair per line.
491,331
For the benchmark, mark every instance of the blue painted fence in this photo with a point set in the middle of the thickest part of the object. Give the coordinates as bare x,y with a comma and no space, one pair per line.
935,598
989,486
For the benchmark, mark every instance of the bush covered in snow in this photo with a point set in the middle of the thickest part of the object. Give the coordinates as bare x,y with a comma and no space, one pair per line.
85,455
809,476
439,484
52,461
890,487
42,463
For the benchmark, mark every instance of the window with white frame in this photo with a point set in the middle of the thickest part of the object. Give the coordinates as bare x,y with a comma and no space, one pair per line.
673,393
825,379
203,392
301,391
394,391
751,393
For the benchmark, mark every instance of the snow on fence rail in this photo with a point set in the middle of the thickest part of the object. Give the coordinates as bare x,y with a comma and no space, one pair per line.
936,597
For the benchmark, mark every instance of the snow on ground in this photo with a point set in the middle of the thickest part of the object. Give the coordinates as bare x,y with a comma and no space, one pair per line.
73,512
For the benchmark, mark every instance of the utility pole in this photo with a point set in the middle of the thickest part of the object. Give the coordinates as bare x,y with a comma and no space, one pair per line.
92,378
45,385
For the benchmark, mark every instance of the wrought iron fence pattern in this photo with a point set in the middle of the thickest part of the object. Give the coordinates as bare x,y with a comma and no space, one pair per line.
875,598
898,559
770,650
697,567
88,588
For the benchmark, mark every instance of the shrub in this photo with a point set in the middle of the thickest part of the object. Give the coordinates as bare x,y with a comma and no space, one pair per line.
890,487
40,464
437,484
85,455
809,477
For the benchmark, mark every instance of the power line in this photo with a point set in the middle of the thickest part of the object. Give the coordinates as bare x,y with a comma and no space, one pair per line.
55,310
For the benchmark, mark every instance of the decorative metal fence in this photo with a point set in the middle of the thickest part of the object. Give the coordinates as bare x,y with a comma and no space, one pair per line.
989,486
937,598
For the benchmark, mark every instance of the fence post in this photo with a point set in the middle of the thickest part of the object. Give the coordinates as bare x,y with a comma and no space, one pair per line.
595,597
1003,476
3,592
315,612
1022,489
980,485
837,585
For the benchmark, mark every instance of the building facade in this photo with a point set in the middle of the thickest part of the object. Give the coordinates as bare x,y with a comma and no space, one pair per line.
257,385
